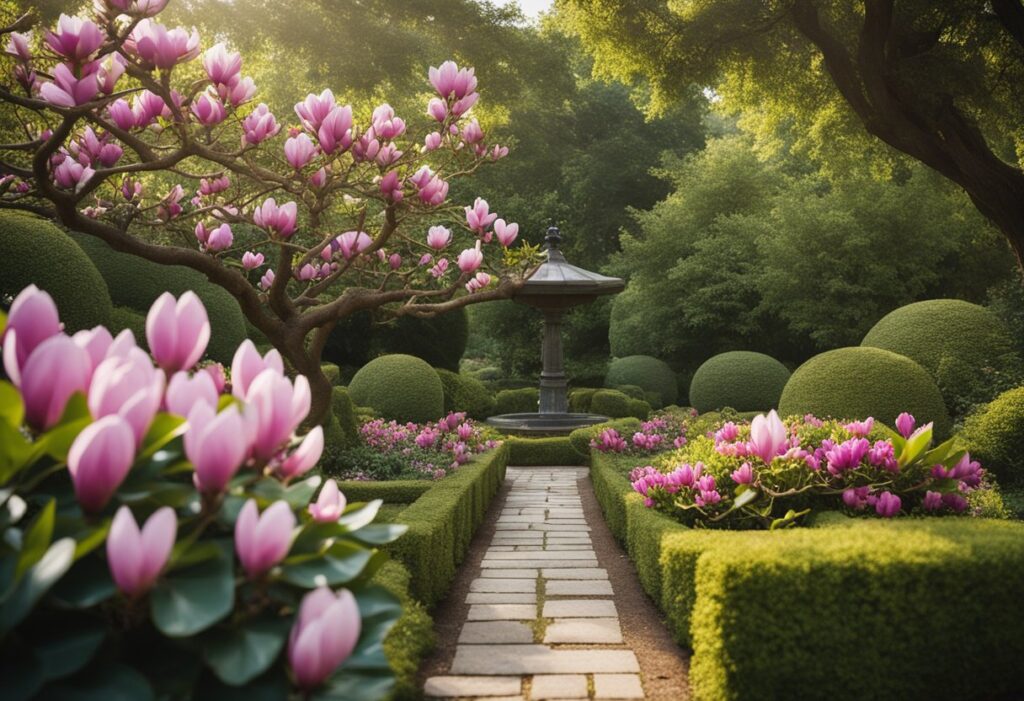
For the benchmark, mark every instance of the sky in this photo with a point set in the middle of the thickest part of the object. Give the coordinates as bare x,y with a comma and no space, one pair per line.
531,8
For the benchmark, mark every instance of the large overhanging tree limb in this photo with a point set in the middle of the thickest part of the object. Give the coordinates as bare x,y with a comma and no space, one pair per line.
304,226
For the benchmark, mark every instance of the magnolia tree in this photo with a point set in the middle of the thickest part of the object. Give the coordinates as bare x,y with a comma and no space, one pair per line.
160,537
132,133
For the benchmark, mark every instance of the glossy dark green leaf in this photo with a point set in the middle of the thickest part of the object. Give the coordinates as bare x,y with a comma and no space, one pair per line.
190,600
272,686
68,649
164,429
240,654
115,682
12,408
57,441
357,518
379,533
37,538
356,686
299,494
86,584
341,564
17,454
38,580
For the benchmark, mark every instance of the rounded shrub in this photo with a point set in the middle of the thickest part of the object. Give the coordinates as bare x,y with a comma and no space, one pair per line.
136,283
634,391
517,401
743,380
35,252
994,435
464,393
332,372
643,371
400,387
950,338
857,382
639,408
611,403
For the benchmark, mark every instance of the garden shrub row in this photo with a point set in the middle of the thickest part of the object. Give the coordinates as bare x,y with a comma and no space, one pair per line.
442,519
917,608
517,401
556,450
412,636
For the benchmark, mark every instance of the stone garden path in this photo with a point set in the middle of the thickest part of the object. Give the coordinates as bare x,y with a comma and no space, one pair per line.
541,621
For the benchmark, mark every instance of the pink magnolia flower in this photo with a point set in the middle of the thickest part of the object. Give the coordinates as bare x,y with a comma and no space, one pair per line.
147,106
216,444
96,342
847,455
303,458
888,505
432,141
434,191
438,237
744,475
31,320
136,557
159,47
267,280
185,391
99,460
239,93
319,178
335,130
177,331
324,635
18,46
391,186
768,436
277,220
67,90
262,541
72,175
217,376
478,218
470,259
220,239
394,261
170,207
76,39
211,186
299,151
438,110
498,152
388,154
279,408
440,268
861,428
111,68
506,233
451,81
856,497
329,505
127,386
139,8
223,67
209,110
472,132
905,424
56,369
120,113
465,104
479,282
352,243
259,125
251,261
932,501
248,363
314,110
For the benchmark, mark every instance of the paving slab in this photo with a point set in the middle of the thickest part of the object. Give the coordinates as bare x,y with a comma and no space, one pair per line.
540,659
505,586
584,631
578,587
559,686
478,632
574,573
618,686
579,608
502,612
485,598
447,687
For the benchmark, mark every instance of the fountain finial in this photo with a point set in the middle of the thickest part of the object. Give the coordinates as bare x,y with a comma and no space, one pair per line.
553,238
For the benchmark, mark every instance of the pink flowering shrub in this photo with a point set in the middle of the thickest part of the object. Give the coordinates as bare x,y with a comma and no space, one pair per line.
392,450
771,472
663,431
151,512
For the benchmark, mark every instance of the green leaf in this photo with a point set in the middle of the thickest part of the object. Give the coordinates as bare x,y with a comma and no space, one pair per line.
342,563
790,518
915,446
940,453
190,600
356,518
36,582
37,538
12,408
272,686
164,429
16,452
379,533
69,648
57,441
299,494
86,584
116,682
239,655
356,686
745,498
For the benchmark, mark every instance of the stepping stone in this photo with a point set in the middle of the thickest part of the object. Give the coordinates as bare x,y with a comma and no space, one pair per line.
505,586
540,659
485,598
502,612
536,562
570,548
584,631
559,686
618,686
583,587
580,555
525,573
580,608
575,573
447,687
475,632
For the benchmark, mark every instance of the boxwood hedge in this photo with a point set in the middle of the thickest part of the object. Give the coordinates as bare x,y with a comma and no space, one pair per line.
743,380
400,387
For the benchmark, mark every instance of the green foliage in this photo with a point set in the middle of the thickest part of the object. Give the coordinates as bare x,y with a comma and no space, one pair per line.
581,437
994,435
332,372
552,451
395,492
343,431
611,403
857,382
400,387
465,393
440,340
743,380
646,372
412,637
122,318
639,408
35,252
632,391
442,522
517,401
955,341
580,399
136,283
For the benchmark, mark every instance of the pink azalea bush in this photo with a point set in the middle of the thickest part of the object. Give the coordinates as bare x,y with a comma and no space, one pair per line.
393,450
144,506
770,472
661,432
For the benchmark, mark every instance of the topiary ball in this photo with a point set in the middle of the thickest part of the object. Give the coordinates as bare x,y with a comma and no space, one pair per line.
994,435
464,393
857,382
639,409
400,387
611,403
644,371
35,252
136,283
950,338
743,380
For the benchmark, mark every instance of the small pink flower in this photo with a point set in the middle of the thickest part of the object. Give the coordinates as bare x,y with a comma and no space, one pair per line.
262,541
136,557
330,504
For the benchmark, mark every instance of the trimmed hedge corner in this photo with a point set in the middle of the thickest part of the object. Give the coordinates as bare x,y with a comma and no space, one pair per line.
644,371
762,609
553,451
743,380
35,252
400,387
412,636
857,382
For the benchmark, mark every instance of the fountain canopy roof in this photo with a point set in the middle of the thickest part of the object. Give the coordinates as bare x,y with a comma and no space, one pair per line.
558,280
